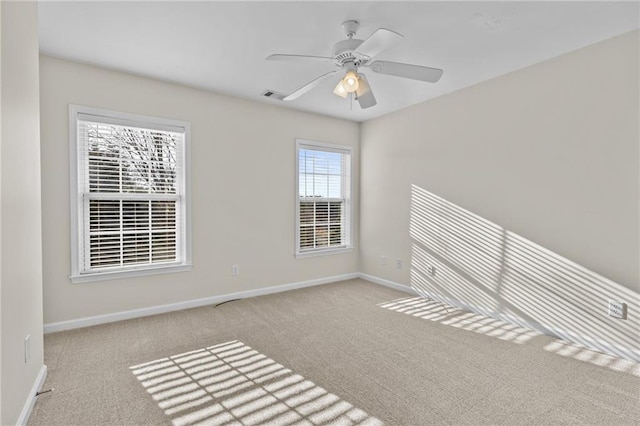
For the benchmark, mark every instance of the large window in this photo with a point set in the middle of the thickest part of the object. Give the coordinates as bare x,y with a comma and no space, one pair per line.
323,205
129,194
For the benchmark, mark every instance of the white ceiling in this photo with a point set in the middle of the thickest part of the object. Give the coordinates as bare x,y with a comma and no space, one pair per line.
221,46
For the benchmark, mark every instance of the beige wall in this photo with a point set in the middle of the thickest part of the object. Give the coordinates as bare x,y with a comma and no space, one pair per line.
549,153
242,156
21,248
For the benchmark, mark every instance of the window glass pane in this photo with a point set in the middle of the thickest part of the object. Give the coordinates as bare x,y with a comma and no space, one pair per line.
335,212
320,173
334,189
135,248
306,213
335,163
135,176
306,237
322,212
132,160
163,246
335,234
104,250
162,160
308,161
105,215
322,236
321,163
163,215
320,186
126,247
162,177
306,185
103,163
135,215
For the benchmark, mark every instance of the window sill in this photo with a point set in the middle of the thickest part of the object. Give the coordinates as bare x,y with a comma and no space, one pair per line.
323,252
103,276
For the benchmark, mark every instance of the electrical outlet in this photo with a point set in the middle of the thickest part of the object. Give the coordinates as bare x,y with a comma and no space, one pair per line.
617,309
399,263
383,260
27,348
432,271
235,270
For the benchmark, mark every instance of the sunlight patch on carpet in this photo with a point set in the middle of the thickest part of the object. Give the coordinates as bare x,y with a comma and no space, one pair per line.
233,384
456,317
582,353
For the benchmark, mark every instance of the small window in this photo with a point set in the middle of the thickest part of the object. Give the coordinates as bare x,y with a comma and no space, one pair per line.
129,204
323,198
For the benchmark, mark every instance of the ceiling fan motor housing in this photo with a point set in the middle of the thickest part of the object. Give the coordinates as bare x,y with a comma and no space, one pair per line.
344,52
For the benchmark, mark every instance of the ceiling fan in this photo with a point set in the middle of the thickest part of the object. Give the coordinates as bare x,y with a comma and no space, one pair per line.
351,55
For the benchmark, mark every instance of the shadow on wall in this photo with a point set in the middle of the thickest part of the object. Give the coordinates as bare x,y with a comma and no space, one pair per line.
231,384
464,260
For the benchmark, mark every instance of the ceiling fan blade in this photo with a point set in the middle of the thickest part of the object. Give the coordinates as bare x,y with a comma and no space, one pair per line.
364,94
380,40
282,57
414,72
304,89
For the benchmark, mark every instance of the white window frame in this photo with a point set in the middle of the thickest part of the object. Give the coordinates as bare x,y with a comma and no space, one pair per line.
78,200
348,188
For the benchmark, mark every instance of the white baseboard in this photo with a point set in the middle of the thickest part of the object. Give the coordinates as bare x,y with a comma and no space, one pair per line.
387,283
590,342
153,310
31,401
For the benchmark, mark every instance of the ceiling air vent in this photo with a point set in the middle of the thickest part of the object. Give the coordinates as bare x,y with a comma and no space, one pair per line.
273,95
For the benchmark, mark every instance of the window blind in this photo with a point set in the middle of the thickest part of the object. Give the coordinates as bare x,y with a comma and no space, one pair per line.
130,182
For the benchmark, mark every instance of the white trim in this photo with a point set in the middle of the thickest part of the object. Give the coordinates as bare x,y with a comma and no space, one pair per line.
81,112
153,310
31,400
330,147
387,283
348,195
590,342
130,120
74,215
186,193
323,252
134,272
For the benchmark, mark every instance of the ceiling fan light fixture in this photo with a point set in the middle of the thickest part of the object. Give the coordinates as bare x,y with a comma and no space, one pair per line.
350,81
341,90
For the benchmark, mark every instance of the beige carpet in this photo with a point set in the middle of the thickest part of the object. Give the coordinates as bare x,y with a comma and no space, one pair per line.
344,353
